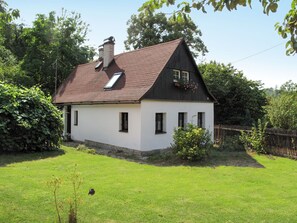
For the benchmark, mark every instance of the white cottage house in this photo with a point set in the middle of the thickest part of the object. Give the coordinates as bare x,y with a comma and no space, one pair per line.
134,100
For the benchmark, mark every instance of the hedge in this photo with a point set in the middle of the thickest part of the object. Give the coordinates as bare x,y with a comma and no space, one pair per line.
28,120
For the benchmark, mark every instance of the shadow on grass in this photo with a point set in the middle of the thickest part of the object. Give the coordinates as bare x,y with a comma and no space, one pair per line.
216,159
17,157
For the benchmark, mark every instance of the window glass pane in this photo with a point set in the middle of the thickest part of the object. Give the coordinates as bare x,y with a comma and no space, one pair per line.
113,80
185,76
159,122
176,74
181,119
200,120
124,121
75,117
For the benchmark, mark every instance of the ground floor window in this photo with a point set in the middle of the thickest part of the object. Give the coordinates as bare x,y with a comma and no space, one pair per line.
160,123
124,121
75,118
182,116
201,119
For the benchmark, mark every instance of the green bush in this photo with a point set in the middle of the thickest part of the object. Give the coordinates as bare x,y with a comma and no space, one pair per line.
28,120
191,143
255,139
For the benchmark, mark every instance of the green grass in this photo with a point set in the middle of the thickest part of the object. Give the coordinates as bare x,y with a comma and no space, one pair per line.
231,187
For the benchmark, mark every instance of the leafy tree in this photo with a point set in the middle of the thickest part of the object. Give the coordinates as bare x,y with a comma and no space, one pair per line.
10,69
54,45
28,120
10,32
287,28
282,110
149,29
240,101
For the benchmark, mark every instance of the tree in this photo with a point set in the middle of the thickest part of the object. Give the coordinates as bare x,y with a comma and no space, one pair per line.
282,110
240,101
149,29
287,28
10,70
54,46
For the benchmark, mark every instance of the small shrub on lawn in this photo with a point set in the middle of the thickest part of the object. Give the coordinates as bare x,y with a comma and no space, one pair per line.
28,120
255,139
191,143
232,143
85,149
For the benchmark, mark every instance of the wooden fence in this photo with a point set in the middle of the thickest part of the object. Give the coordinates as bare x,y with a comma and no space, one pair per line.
279,142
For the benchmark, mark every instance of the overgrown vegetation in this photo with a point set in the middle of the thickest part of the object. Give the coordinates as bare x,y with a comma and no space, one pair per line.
255,139
191,143
73,201
28,120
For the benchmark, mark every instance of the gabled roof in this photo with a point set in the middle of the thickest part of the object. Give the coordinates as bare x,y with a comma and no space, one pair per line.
141,69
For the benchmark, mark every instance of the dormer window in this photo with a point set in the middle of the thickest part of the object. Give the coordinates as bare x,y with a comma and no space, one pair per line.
113,80
176,75
98,65
185,76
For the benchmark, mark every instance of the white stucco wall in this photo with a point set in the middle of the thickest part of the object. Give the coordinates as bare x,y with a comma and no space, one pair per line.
150,140
101,123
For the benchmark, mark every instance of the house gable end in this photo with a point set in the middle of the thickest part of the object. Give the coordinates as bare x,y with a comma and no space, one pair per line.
167,88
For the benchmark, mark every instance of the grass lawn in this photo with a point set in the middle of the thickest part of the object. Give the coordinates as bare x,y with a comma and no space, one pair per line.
246,189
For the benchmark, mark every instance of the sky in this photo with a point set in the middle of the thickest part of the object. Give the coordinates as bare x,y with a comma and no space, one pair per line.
246,38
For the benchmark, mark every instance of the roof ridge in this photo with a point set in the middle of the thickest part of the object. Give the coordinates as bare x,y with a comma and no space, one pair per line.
152,46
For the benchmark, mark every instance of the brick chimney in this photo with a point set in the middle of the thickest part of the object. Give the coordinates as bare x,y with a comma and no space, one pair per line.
108,51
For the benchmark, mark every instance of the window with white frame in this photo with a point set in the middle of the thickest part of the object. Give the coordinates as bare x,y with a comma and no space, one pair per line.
160,123
201,119
182,119
124,122
185,77
176,75
75,121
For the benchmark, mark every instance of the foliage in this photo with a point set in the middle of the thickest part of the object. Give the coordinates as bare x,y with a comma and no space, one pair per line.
282,111
10,69
54,45
28,120
45,53
150,29
255,139
287,28
191,143
240,101
231,143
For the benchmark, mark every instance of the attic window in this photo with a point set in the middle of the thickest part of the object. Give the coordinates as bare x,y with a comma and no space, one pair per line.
176,74
113,80
98,65
185,76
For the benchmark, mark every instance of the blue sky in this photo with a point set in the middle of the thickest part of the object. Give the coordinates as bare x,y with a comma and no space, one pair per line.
229,36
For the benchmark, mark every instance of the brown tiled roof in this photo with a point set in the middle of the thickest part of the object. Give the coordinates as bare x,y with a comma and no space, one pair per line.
141,68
